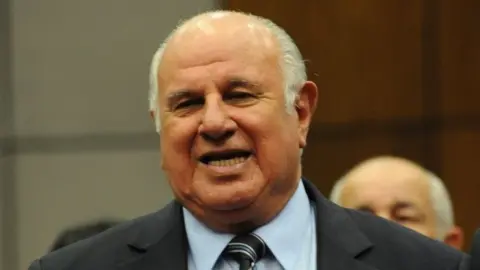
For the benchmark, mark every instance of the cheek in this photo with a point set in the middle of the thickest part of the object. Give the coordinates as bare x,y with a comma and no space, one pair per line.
423,229
268,124
277,152
175,145
176,161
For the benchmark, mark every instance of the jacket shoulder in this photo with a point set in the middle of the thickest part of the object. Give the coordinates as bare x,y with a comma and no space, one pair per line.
102,251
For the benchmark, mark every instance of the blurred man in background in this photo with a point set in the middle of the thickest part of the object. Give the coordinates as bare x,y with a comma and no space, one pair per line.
81,232
400,190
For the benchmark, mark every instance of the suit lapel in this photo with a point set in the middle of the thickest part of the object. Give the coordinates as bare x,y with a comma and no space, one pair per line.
162,244
335,258
339,241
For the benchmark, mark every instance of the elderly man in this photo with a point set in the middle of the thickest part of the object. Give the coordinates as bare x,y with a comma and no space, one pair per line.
400,190
233,106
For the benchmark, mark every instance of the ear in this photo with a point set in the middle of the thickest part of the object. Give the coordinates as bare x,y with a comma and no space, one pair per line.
152,114
455,238
305,106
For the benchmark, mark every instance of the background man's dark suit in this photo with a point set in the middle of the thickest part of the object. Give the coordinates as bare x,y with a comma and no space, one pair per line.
475,252
346,240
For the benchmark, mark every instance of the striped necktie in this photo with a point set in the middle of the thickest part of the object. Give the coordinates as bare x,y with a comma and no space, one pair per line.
246,250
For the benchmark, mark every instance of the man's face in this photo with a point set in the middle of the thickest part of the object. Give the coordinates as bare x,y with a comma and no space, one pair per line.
228,145
394,191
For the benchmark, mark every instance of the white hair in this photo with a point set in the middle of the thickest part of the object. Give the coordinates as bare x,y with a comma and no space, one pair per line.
442,205
291,63
336,193
439,196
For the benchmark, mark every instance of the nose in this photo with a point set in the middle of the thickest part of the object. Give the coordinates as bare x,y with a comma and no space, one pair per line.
216,125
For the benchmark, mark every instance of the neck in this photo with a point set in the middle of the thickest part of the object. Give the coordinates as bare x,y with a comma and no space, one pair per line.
261,213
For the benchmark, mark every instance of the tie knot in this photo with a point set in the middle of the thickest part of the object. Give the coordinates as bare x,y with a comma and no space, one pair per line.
248,248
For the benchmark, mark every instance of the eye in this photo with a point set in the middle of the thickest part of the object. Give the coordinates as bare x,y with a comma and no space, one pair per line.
402,219
238,96
405,218
192,102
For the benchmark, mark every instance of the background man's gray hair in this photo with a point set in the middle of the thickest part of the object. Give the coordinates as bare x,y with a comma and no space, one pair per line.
441,202
291,63
442,205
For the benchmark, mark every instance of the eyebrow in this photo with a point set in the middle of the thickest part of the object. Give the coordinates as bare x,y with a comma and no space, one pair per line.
396,206
237,81
402,205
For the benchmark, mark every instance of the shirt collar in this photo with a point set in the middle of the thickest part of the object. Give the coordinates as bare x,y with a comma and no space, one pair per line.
286,230
205,244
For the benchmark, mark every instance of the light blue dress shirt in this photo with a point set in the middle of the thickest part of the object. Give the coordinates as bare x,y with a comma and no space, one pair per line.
290,236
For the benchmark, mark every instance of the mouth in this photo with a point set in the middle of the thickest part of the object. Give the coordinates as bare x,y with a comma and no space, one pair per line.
225,158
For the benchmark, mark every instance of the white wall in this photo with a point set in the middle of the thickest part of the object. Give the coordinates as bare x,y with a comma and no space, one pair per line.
86,146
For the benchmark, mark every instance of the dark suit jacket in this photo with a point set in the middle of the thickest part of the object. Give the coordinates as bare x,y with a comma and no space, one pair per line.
475,252
346,240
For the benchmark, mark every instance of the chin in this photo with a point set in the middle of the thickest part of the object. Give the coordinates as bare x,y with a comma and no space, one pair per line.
231,207
231,204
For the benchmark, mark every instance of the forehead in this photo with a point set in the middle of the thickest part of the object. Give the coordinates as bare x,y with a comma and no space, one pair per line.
214,47
386,185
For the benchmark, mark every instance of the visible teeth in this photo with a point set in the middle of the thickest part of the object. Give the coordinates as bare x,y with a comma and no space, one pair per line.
227,162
